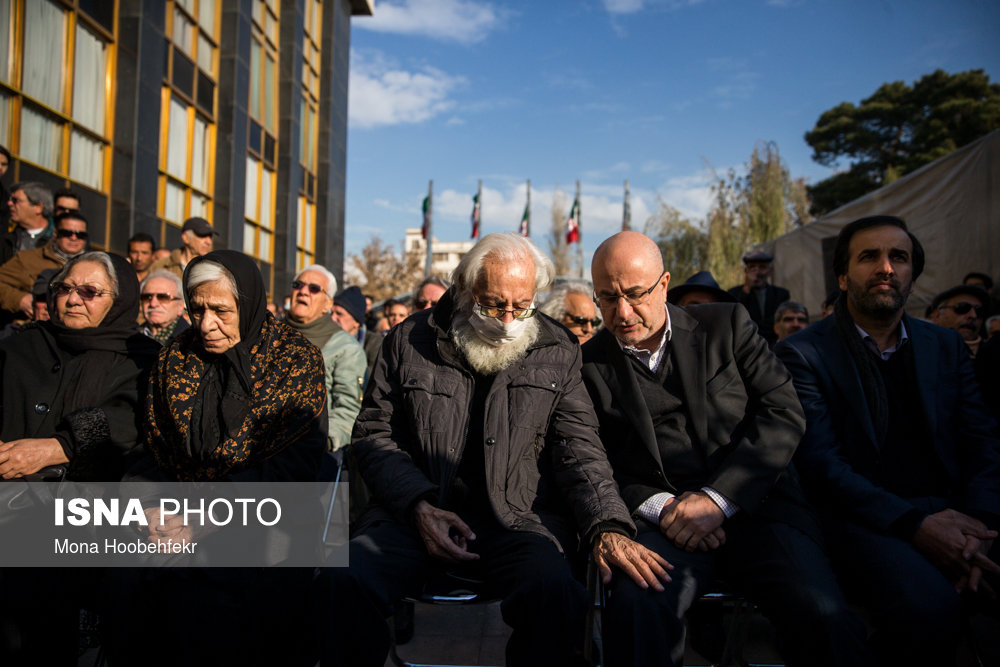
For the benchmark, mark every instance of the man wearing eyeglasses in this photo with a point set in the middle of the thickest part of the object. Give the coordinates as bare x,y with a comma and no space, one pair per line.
429,291
700,421
19,274
309,311
162,306
900,456
963,309
476,440
571,304
30,206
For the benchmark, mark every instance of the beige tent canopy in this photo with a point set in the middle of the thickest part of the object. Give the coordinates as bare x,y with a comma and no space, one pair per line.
952,205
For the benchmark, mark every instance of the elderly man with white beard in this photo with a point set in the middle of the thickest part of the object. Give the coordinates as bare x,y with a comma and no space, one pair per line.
478,442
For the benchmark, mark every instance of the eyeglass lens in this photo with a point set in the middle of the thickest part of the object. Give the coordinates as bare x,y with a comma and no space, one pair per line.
312,287
86,292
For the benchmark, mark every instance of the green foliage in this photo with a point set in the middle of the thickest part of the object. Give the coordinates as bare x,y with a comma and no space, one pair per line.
899,129
683,244
748,208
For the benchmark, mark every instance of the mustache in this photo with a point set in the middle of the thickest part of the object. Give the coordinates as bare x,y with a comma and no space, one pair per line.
891,282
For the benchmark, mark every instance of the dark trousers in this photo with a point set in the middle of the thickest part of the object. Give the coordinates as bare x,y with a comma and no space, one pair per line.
542,602
916,613
776,565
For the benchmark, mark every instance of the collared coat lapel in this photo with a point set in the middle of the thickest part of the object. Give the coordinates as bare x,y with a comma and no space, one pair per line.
925,349
687,345
844,372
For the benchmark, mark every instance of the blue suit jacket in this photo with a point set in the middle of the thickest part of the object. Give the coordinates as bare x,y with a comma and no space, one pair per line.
838,456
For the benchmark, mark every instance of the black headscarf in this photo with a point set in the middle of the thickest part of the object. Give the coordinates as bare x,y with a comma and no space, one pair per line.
93,348
223,395
117,327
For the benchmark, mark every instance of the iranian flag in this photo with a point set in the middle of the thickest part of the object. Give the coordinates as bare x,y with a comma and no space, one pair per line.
427,218
525,231
475,216
573,223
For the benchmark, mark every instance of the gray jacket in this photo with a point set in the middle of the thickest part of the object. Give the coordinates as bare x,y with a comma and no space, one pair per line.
544,460
346,367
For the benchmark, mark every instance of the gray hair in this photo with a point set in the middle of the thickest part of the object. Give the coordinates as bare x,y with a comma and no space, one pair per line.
504,247
789,306
555,304
36,194
163,273
331,280
208,271
432,280
97,257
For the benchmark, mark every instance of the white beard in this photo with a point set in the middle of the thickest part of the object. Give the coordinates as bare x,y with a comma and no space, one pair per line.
485,358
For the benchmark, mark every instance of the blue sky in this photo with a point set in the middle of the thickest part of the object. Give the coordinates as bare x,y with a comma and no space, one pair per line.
658,92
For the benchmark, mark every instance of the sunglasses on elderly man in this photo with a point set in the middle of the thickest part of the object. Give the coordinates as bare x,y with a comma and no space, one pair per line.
420,304
962,307
312,287
66,233
581,321
160,296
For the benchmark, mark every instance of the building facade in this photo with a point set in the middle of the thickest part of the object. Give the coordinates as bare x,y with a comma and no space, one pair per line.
445,255
158,110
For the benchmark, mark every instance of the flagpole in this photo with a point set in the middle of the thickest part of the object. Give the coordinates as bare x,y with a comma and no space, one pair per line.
626,211
579,227
479,208
526,218
429,217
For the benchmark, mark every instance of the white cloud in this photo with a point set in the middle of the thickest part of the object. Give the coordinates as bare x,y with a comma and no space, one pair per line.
623,6
463,21
382,93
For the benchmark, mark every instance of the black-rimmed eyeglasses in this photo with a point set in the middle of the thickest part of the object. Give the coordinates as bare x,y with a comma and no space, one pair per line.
312,287
633,297
962,307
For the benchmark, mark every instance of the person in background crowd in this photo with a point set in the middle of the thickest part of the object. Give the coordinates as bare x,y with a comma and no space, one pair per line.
368,303
70,391
571,304
759,297
395,311
39,306
379,322
349,313
826,308
791,316
481,477
346,365
429,291
699,288
19,274
30,207
197,239
64,201
140,253
238,397
5,160
992,326
160,254
162,306
700,421
962,308
900,456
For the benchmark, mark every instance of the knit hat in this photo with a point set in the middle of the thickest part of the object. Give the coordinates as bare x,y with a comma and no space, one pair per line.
353,301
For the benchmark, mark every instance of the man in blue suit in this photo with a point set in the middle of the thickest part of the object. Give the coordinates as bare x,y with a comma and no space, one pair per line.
899,455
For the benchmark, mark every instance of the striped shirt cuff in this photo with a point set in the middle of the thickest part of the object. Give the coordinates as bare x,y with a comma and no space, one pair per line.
651,507
728,507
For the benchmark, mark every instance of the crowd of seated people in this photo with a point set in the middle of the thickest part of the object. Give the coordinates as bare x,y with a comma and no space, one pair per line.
675,436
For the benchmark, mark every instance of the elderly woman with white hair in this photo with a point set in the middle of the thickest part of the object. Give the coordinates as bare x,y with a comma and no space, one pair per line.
237,397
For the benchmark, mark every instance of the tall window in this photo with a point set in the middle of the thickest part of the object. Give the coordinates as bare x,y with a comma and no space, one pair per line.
188,110
258,230
309,137
55,88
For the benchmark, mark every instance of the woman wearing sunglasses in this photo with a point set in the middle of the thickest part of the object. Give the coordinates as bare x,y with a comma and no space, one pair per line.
69,387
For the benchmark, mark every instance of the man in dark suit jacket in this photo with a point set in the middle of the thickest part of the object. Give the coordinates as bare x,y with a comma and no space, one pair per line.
900,455
760,298
700,421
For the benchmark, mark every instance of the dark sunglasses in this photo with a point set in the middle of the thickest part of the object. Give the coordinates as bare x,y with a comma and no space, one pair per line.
312,287
420,304
962,307
66,233
580,321
86,292
159,297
